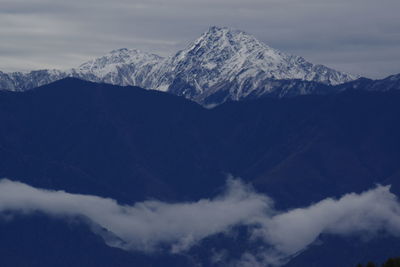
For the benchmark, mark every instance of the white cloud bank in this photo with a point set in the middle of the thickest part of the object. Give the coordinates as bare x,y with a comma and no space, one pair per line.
148,225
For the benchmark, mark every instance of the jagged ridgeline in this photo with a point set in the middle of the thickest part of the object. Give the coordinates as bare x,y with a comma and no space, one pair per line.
223,64
392,262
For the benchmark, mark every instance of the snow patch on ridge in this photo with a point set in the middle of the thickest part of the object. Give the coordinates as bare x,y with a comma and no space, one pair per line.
221,61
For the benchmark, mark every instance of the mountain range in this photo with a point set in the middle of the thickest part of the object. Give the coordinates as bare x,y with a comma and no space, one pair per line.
223,64
110,141
141,131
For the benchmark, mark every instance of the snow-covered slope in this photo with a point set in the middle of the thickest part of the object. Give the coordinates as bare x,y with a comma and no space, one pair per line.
223,64
20,81
223,60
122,67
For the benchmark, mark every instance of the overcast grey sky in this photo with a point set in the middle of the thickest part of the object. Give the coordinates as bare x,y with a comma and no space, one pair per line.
357,36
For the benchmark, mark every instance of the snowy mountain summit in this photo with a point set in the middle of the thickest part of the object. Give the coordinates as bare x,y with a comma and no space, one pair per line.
235,64
223,64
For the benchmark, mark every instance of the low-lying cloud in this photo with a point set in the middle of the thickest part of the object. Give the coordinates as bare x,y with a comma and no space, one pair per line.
149,225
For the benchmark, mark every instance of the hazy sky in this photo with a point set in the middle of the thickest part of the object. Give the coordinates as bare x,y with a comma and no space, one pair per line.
357,36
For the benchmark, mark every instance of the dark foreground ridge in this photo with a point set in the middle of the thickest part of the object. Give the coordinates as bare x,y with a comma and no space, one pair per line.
392,262
132,144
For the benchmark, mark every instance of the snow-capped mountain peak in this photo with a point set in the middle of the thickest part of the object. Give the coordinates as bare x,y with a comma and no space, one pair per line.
223,62
220,45
227,38
224,59
117,58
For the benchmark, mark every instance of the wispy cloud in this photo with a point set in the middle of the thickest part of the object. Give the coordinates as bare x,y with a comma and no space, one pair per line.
150,225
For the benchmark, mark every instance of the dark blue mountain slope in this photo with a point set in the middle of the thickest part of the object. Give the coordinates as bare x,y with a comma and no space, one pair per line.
132,144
